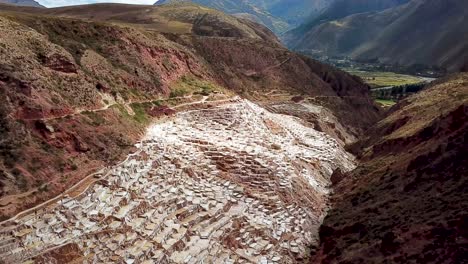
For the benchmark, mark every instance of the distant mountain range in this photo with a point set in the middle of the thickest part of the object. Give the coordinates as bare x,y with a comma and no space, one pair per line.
420,33
278,15
21,3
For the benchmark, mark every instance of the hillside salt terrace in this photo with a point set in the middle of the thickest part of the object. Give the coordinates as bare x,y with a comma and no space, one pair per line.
231,184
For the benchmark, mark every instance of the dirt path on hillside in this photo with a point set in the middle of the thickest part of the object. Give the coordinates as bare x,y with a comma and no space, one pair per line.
106,107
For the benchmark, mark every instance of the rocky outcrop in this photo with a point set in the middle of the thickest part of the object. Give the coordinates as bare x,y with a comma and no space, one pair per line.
58,63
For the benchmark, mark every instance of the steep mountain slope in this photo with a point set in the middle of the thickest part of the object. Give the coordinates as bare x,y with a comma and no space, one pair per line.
338,9
406,202
422,32
82,83
278,15
21,2
293,12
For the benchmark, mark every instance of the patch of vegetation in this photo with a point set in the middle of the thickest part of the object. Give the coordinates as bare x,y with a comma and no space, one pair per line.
179,92
74,35
11,137
206,90
55,100
398,92
96,119
61,165
385,103
174,101
167,63
191,84
140,113
121,109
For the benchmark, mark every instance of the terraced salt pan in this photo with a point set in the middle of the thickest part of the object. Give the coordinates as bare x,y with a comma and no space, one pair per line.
232,184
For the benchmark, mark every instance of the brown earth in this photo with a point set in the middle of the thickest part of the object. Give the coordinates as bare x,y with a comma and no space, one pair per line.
406,202
69,253
82,83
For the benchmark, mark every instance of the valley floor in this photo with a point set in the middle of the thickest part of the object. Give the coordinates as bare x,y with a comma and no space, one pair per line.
230,184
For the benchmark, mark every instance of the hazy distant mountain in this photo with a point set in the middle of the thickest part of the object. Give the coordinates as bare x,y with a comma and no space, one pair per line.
294,12
337,9
22,2
278,15
422,32
343,8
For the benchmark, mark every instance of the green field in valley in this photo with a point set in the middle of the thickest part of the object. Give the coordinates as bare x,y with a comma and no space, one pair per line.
385,79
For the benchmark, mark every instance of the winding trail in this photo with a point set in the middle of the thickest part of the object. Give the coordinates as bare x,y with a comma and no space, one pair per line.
106,107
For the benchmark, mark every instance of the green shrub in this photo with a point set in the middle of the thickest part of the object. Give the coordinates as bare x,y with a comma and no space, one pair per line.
96,119
140,113
178,92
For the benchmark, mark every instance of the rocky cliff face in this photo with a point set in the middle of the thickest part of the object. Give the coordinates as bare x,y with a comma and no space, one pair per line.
405,202
82,83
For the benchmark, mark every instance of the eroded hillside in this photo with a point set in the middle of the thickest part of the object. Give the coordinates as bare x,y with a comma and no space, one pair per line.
406,201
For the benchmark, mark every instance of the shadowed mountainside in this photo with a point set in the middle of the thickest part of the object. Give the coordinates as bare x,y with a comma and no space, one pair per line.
422,32
82,83
406,201
338,9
